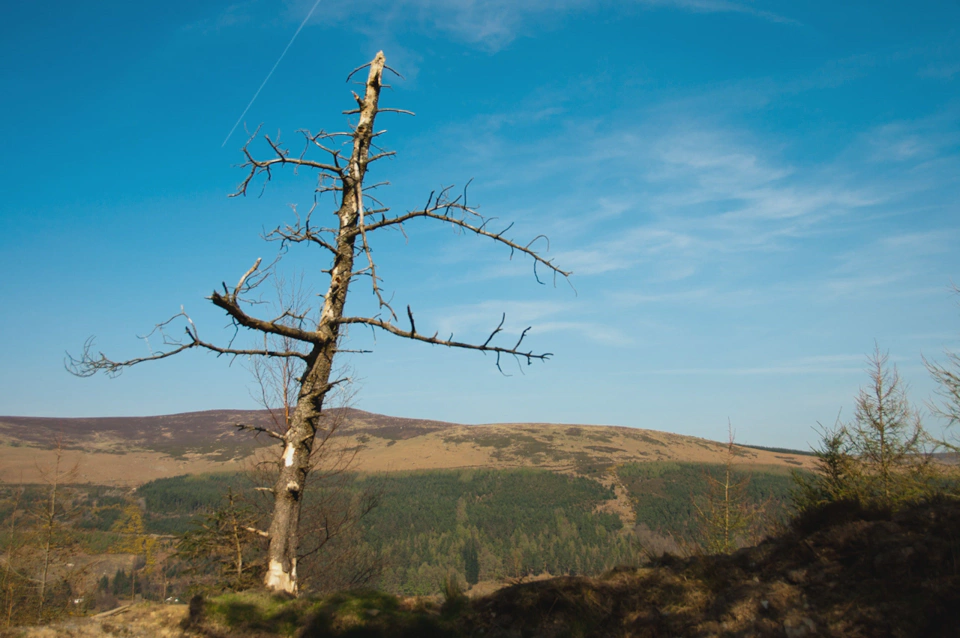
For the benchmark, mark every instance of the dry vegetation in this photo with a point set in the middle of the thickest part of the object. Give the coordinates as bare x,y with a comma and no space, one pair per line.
132,451
839,572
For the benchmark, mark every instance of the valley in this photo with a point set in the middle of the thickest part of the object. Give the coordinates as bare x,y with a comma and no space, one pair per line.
487,503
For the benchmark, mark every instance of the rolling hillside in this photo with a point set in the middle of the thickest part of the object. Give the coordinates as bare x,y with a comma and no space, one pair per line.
131,451
520,498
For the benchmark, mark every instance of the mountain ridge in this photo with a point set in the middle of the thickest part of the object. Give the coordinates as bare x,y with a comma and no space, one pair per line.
133,450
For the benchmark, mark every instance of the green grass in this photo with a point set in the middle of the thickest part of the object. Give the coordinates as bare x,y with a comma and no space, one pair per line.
350,614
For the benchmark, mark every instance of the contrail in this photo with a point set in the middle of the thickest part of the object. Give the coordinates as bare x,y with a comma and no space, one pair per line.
267,79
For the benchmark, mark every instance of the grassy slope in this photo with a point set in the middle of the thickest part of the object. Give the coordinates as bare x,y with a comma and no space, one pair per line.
133,451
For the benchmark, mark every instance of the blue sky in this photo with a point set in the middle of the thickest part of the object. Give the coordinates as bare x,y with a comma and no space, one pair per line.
750,194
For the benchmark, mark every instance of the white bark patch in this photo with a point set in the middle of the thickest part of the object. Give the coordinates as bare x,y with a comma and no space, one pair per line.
288,455
278,580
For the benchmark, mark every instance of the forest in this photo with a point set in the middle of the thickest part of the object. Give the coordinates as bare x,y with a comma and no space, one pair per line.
474,525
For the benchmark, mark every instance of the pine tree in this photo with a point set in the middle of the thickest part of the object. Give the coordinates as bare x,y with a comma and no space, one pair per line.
947,376
888,437
881,457
133,539
838,475
471,561
223,537
725,515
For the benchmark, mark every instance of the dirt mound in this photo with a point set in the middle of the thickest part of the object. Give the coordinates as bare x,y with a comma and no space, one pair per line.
847,573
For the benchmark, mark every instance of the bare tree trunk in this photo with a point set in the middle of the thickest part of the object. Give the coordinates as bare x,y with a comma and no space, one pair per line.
317,344
281,575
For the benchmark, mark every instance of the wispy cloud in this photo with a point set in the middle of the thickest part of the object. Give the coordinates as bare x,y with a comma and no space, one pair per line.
704,194
590,331
942,71
688,210
678,196
721,6
627,250
726,174
916,140
921,243
483,317
233,15
493,24
892,263
822,364
702,296
867,285
543,317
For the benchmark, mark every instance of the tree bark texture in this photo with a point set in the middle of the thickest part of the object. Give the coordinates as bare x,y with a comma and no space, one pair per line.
281,574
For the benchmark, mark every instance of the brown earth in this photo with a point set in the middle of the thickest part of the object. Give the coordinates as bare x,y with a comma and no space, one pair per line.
132,451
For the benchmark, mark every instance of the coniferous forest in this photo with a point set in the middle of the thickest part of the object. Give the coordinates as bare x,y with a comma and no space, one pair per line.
426,527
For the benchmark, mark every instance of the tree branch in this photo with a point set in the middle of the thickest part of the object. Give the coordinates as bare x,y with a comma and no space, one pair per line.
444,209
258,167
88,363
450,343
259,430
229,303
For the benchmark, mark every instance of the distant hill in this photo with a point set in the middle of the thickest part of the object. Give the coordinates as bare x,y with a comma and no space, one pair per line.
134,450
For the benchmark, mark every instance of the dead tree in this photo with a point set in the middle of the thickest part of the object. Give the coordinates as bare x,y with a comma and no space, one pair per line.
347,158
333,509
